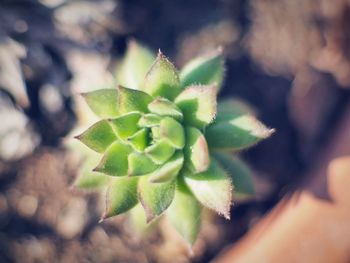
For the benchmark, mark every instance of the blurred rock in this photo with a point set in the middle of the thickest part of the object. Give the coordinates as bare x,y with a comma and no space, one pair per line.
11,78
17,138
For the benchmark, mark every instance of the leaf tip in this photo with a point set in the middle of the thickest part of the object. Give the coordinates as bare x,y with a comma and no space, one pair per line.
83,94
264,132
103,217
160,54
77,137
97,169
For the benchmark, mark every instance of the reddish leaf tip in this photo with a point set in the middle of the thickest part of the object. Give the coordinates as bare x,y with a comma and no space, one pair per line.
160,54
103,217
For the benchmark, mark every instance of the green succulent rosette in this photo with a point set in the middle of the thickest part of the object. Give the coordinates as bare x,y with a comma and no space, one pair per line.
164,143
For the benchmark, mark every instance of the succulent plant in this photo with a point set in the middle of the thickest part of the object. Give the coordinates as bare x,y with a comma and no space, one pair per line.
164,142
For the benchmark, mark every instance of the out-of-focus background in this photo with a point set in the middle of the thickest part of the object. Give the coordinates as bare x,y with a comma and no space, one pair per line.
289,59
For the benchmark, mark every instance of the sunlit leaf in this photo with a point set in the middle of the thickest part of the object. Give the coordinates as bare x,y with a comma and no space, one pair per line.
115,160
103,102
98,137
185,213
162,79
121,195
237,133
125,125
169,170
240,173
140,164
205,70
155,197
133,69
164,107
160,152
139,140
88,179
173,132
212,188
130,100
196,151
149,120
198,105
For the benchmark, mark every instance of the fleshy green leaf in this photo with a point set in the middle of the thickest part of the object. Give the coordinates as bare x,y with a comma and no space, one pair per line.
115,160
205,70
230,108
169,170
139,140
185,213
240,174
212,188
137,220
155,197
198,105
149,120
130,100
239,132
162,79
126,125
164,107
173,132
156,133
160,152
87,179
196,151
121,196
140,164
133,69
103,102
98,137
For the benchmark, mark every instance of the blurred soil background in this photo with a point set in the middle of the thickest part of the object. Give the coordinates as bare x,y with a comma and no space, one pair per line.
289,59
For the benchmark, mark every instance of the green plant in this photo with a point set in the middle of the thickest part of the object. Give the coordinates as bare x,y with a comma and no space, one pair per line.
166,143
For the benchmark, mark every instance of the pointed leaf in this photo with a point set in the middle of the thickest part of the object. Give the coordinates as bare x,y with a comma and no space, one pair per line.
87,179
103,102
162,79
126,125
229,108
212,188
164,107
155,197
169,170
160,152
198,105
140,164
237,133
121,196
139,140
185,214
205,70
130,100
240,173
149,120
196,151
98,137
133,69
173,132
115,160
